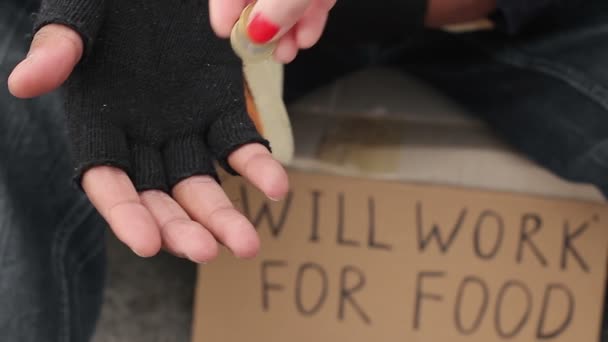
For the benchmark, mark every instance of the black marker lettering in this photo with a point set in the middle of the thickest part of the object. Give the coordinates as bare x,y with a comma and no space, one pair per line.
482,309
568,247
341,239
422,295
530,225
499,301
314,231
371,241
346,292
423,242
541,331
299,288
481,223
266,285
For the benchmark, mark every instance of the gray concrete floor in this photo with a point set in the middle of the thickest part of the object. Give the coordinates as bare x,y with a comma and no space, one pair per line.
146,299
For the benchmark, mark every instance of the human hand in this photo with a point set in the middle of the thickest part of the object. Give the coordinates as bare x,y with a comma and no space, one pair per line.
294,24
119,124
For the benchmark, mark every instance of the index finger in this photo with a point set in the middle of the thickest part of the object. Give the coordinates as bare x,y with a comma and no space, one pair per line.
223,14
255,163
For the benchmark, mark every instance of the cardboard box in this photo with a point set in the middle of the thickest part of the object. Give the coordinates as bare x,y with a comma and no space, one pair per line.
408,225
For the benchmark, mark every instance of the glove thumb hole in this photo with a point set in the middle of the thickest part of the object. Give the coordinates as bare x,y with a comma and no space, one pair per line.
53,54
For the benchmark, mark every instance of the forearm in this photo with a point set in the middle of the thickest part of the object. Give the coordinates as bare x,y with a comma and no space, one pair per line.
448,12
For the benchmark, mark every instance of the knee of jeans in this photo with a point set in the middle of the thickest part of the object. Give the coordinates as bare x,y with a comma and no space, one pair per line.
51,267
591,167
84,262
37,237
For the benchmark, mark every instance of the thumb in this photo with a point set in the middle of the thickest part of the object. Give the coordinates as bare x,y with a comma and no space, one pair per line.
54,52
270,19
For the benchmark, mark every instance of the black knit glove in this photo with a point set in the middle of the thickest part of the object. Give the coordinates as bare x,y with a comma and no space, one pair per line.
156,94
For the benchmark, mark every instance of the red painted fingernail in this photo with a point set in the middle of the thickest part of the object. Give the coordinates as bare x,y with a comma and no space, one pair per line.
261,30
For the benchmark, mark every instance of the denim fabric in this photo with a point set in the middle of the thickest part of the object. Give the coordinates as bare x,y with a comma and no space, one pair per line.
51,239
545,92
514,16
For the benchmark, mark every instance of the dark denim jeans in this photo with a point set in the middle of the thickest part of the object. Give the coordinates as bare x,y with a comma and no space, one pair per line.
51,238
546,93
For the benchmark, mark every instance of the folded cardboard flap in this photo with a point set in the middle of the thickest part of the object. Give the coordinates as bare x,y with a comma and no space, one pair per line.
424,153
403,130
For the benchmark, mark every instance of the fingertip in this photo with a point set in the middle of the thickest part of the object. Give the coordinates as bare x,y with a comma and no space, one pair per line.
234,231
55,51
221,28
252,254
15,84
223,15
145,252
136,228
279,188
247,246
275,182
255,163
310,28
202,256
287,49
306,38
192,240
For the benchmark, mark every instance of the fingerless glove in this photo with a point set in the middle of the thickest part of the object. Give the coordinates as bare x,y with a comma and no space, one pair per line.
157,93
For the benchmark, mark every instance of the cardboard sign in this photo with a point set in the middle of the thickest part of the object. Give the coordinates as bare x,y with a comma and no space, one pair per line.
357,260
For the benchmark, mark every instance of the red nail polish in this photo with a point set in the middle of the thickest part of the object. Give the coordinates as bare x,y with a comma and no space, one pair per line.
261,30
